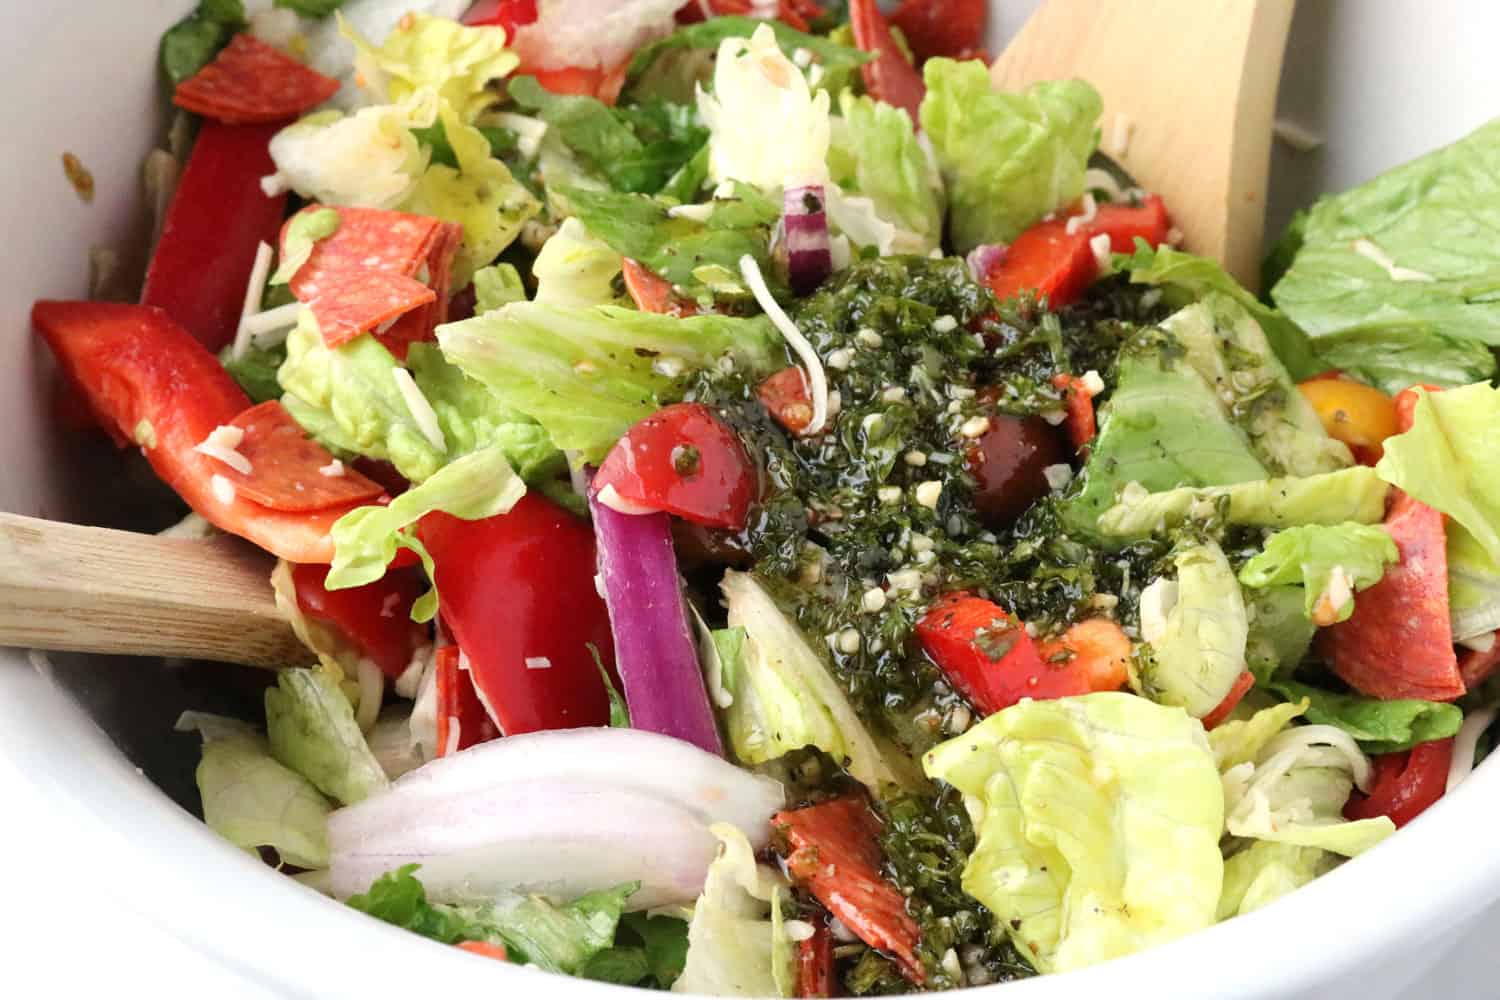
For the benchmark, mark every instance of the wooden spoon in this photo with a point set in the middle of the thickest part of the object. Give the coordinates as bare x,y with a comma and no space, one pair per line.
1189,91
94,590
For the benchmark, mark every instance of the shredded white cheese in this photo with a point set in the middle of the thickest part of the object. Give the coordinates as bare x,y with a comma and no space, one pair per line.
1120,135
223,489
1368,250
258,328
1465,744
1100,246
529,132
421,410
1089,213
698,213
260,272
333,470
538,663
221,444
817,380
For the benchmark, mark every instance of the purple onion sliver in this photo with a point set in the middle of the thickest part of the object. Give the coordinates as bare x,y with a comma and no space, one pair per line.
654,649
805,229
984,258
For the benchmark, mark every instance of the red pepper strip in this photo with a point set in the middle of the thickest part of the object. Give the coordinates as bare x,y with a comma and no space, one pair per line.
462,719
518,593
652,293
1058,266
1405,783
484,949
1080,403
952,28
156,385
815,960
1242,684
1096,648
217,218
989,658
686,461
252,83
1475,666
508,14
888,77
375,619
784,395
835,855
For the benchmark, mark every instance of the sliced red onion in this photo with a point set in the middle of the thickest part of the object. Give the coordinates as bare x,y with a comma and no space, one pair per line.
654,650
562,812
984,258
804,224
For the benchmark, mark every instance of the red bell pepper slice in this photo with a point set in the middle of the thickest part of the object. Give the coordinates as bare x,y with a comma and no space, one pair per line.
652,293
154,384
508,14
686,461
218,216
1242,685
375,619
518,594
989,658
784,395
1096,650
888,77
952,28
1059,266
484,949
1405,783
252,83
836,856
463,720
1080,403
815,960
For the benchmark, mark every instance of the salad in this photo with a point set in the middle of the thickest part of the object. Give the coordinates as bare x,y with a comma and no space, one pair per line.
772,515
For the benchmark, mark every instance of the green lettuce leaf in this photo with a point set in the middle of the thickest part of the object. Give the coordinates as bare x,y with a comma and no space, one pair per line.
252,801
586,375
559,938
1098,819
782,696
1309,555
1240,741
649,951
311,729
1007,158
577,269
497,285
1280,631
302,234
1185,278
370,158
1353,494
1265,871
455,61
255,370
1195,629
1473,585
480,484
1434,219
192,43
479,194
1392,357
832,68
735,941
1163,428
398,898
1379,726
874,153
1226,347
312,8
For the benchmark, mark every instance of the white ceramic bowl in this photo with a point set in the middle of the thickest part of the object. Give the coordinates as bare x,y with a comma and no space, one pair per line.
1382,80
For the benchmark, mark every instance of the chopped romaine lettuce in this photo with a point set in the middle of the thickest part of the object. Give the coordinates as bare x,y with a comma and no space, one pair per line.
1240,741
649,951
1353,494
1265,871
398,898
832,65
1007,158
874,152
311,729
575,268
782,697
255,370
1411,251
421,52
1195,641
369,158
586,375
192,43
1393,357
736,945
1379,726
558,938
1226,347
302,233
1280,631
251,800
1098,819
1330,561
497,285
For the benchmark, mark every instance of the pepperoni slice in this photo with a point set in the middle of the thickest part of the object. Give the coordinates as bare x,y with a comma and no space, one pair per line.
462,719
419,324
355,302
1399,643
252,83
284,464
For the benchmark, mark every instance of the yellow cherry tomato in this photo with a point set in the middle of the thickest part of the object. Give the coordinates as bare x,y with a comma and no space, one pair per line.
1352,412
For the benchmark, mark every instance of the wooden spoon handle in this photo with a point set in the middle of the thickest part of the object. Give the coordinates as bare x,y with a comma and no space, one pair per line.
70,587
